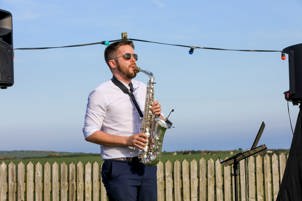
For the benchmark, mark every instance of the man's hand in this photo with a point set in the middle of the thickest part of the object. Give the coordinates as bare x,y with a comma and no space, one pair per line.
156,109
138,140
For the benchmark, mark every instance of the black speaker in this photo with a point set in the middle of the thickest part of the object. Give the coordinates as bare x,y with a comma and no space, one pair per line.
295,73
6,50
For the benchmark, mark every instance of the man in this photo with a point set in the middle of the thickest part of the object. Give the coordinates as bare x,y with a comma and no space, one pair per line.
113,121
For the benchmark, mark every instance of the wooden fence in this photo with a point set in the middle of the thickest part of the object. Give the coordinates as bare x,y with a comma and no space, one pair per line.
203,180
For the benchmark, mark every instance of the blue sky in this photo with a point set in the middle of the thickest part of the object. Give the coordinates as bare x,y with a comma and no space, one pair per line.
220,98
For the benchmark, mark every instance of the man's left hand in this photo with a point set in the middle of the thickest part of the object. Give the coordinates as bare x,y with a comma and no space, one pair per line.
156,109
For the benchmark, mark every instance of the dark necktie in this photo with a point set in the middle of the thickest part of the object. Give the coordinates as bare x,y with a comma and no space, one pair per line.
126,91
131,87
134,100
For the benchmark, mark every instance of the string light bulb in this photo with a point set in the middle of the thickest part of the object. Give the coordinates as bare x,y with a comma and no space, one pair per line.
283,56
191,51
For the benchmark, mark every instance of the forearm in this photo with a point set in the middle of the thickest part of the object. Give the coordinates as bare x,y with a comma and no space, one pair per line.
138,140
100,137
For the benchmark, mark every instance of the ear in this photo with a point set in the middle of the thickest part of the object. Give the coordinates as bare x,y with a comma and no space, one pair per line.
112,64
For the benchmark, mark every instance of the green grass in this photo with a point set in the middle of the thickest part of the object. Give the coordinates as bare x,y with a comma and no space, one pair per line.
66,157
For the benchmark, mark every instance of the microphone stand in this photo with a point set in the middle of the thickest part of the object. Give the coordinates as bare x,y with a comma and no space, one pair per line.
235,159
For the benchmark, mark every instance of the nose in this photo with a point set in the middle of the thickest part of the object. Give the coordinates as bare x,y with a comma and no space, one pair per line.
132,57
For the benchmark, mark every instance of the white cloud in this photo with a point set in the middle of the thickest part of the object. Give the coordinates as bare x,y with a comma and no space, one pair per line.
158,3
23,9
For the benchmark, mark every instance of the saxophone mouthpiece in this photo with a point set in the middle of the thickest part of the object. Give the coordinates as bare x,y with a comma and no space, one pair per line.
137,69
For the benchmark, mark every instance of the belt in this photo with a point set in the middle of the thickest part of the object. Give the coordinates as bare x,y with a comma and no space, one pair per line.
127,159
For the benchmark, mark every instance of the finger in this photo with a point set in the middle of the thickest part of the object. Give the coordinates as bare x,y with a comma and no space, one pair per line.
157,107
156,112
143,135
155,102
141,145
141,139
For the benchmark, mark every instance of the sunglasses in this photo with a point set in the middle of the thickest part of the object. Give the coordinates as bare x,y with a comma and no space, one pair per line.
127,56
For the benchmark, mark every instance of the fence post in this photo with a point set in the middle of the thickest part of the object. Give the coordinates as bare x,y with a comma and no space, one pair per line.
21,182
72,183
227,179
30,182
202,179
3,181
219,180
275,174
251,179
169,181
259,178
47,182
11,181
38,182
194,180
282,163
88,185
55,182
160,182
185,181
177,181
211,180
268,178
95,181
80,181
243,182
64,182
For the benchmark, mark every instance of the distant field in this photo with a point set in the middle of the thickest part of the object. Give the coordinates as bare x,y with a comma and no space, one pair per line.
46,156
67,157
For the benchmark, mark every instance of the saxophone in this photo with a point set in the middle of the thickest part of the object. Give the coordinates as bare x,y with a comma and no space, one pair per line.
154,127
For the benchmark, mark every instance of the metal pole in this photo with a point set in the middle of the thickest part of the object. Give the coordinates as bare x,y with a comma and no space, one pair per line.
235,166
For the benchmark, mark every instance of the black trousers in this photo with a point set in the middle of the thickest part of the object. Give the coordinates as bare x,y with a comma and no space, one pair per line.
129,181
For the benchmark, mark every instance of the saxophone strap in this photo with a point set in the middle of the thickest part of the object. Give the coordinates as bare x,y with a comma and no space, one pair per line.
130,93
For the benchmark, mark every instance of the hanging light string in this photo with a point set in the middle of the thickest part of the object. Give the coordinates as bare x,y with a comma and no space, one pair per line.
200,47
64,46
190,47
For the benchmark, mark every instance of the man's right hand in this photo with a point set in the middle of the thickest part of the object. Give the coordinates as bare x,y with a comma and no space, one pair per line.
138,140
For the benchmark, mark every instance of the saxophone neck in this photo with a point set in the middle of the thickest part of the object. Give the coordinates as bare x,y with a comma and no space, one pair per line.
150,74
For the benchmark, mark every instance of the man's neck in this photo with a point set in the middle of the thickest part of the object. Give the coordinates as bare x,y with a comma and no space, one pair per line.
122,78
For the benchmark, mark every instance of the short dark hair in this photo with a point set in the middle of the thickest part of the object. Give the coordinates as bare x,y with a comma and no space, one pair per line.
112,48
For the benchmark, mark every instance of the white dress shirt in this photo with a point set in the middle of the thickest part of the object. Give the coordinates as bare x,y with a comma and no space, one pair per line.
111,110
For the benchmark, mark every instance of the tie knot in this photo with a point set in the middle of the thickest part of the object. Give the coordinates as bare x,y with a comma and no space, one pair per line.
131,87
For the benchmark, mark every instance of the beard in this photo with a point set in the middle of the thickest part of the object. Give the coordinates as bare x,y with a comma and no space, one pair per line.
126,72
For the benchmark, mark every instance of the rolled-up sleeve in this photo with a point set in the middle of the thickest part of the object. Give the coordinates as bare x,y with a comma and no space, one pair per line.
95,113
